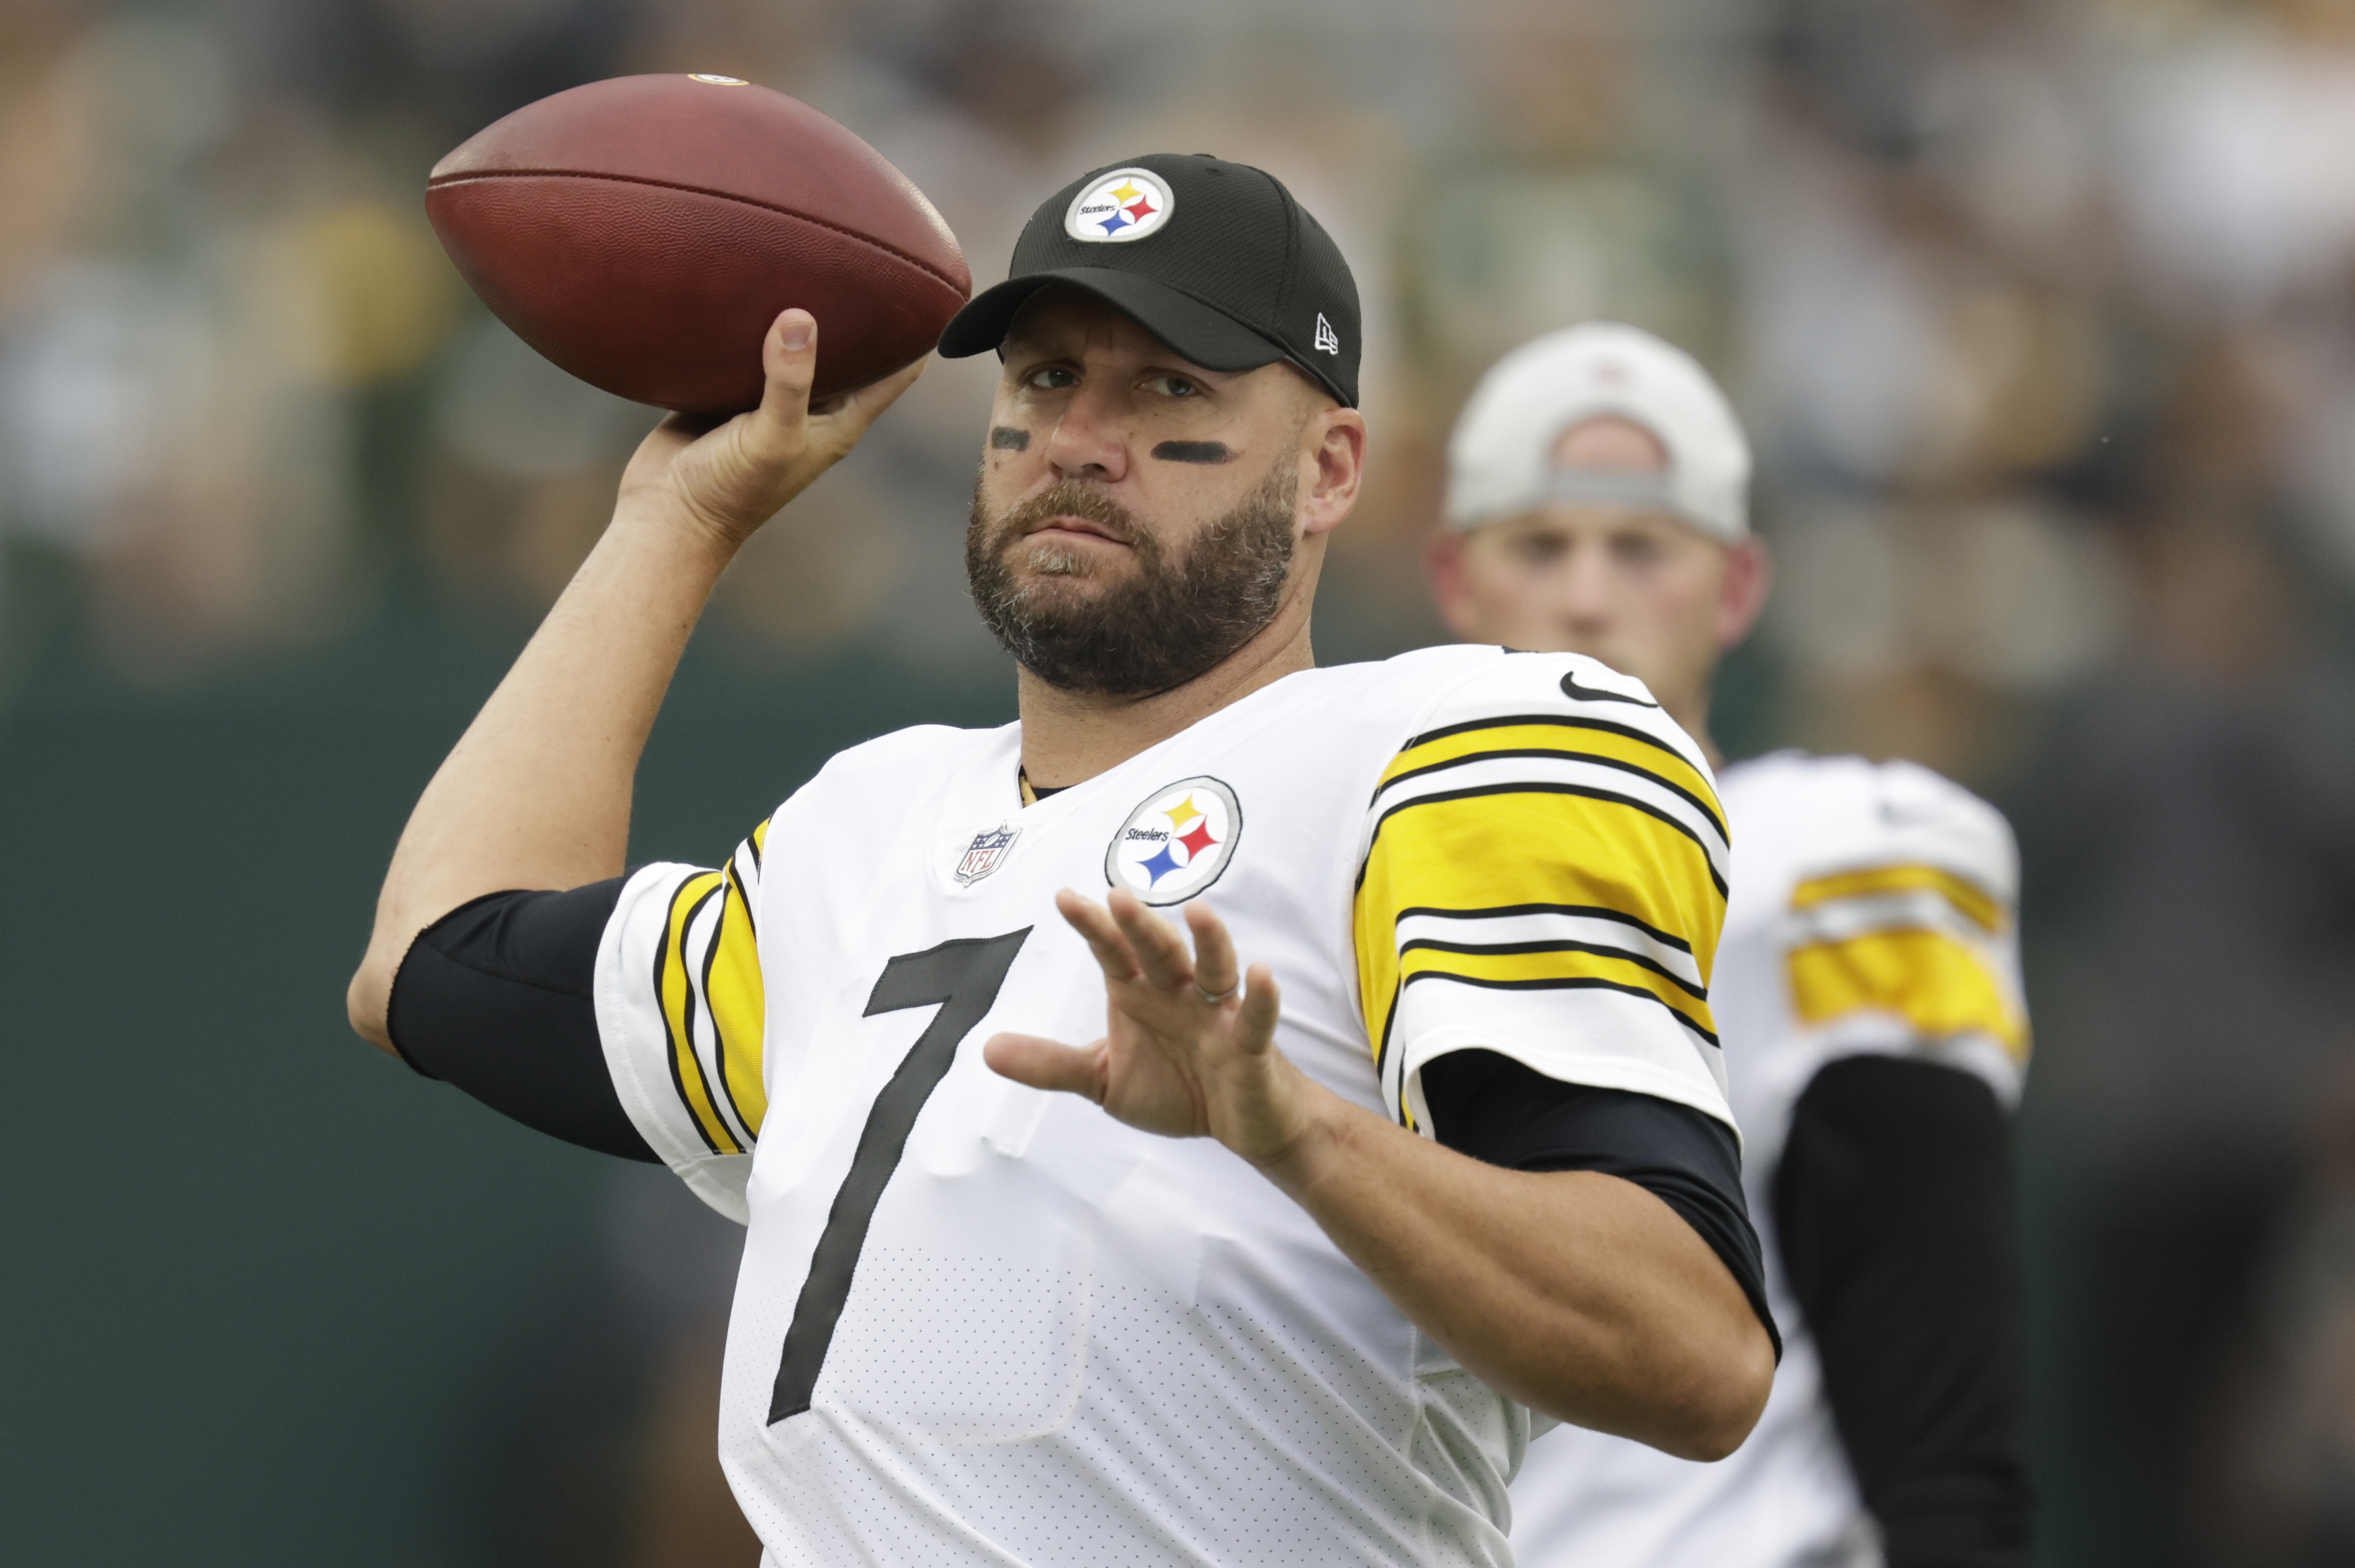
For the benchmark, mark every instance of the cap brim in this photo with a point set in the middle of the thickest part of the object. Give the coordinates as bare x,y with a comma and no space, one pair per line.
1206,338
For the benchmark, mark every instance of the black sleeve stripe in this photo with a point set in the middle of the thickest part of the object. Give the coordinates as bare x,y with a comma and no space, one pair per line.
1716,879
1586,911
1436,945
743,1127
674,1049
1565,983
1560,721
737,881
1591,759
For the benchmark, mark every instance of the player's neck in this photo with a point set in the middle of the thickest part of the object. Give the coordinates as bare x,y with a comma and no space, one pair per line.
1068,737
1692,717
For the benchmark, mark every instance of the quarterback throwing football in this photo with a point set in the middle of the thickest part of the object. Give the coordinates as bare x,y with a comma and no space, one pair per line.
1866,990
1087,1226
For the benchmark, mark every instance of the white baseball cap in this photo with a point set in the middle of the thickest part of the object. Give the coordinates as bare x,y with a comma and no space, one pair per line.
1500,461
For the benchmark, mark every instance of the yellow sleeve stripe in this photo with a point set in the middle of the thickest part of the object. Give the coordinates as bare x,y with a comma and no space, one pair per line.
1935,983
1597,741
734,991
1978,906
674,984
1483,827
1558,966
1565,848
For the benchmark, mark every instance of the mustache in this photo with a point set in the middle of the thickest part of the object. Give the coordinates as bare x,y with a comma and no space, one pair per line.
1067,498
1174,614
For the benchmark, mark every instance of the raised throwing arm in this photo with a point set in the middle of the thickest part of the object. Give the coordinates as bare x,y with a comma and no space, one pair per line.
536,792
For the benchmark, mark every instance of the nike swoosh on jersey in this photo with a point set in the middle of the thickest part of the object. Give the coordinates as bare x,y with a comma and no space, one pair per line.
1576,692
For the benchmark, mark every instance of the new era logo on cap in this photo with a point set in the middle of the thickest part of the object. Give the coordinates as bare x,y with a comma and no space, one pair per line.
1328,340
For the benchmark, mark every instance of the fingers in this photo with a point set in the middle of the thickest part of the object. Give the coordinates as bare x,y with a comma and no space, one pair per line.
788,423
1255,1020
789,360
1214,952
1132,943
861,405
1048,1063
1160,952
1103,937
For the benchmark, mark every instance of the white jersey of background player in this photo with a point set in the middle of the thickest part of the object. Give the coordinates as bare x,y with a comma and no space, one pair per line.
1243,1280
1867,995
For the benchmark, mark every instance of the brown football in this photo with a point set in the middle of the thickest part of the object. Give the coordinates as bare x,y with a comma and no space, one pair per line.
643,232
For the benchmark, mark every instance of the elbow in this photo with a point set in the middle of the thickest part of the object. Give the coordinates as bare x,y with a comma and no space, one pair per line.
368,1003
1723,1401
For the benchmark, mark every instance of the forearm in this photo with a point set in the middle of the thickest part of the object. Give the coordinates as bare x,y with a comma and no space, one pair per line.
1577,1293
1893,1204
536,792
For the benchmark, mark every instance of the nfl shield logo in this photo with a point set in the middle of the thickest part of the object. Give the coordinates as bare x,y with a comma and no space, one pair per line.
985,854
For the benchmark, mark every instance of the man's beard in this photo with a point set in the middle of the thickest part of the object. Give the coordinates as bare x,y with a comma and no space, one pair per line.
1167,623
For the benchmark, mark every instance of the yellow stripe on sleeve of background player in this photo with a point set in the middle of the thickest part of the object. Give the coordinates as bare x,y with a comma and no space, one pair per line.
679,1003
1932,980
1975,903
1492,851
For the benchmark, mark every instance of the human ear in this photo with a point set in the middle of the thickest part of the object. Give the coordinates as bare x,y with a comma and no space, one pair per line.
1333,445
1742,595
1451,589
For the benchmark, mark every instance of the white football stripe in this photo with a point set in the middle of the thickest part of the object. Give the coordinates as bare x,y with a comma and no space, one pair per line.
702,1027
1913,909
1497,929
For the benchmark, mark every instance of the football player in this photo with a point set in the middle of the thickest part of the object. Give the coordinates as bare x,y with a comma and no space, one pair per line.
1866,994
1089,1225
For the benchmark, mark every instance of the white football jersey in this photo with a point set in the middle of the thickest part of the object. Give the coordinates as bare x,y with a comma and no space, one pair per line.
978,1324
1872,911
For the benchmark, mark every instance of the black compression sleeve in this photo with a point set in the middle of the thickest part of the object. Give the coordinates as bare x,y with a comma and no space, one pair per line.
1492,1107
495,997
1893,1208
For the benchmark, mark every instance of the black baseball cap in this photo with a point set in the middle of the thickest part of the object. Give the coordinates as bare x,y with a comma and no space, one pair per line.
1214,259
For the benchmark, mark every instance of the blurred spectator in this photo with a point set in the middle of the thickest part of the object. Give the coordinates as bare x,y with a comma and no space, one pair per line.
2190,823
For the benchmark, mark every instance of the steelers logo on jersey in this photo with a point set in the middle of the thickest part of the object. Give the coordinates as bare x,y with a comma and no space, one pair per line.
1125,204
1176,843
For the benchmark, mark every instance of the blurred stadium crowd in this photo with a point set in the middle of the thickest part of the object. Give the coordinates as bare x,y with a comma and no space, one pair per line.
2042,313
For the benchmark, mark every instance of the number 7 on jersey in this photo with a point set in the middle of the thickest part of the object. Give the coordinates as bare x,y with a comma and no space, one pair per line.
962,978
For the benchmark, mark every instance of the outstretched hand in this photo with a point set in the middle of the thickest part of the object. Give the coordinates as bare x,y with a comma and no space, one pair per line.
1189,1046
734,476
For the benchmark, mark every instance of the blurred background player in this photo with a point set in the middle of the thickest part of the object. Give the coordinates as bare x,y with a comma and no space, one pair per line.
1867,994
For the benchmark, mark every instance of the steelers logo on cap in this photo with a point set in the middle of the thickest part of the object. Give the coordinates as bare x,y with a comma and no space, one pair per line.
1124,205
1176,843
